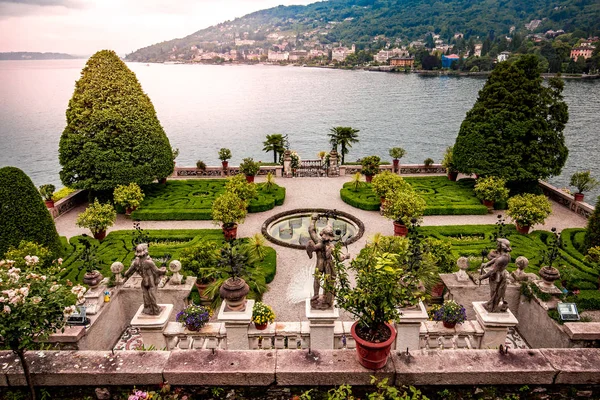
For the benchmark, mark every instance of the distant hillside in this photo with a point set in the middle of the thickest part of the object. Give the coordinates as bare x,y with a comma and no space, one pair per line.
25,55
369,23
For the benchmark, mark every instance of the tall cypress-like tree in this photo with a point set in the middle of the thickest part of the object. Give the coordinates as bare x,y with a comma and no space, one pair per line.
23,215
113,136
515,129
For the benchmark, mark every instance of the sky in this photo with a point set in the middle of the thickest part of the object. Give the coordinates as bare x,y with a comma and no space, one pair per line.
82,27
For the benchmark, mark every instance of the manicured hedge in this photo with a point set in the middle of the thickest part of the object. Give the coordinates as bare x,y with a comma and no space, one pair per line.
192,200
586,300
443,197
117,246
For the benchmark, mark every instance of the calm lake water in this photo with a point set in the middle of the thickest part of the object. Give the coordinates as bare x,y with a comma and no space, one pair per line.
203,108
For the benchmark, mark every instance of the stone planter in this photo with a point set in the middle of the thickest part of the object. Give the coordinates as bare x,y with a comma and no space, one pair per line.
400,229
233,292
92,279
100,235
548,275
373,355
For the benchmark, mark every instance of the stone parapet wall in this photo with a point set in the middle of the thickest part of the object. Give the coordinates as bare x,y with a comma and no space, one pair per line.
219,172
66,204
579,207
303,368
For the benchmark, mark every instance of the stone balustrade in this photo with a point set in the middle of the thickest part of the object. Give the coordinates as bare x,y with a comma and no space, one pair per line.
67,203
220,172
567,200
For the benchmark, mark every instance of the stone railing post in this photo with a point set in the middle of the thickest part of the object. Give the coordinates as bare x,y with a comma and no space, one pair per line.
409,327
287,164
236,326
322,327
333,163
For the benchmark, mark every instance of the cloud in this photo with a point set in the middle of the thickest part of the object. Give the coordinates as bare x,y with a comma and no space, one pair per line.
17,8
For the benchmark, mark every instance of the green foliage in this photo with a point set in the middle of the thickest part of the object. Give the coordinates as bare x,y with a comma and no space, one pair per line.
491,189
200,260
275,143
47,191
269,183
592,231
229,209
370,165
175,152
249,167
62,193
516,121
201,165
128,196
586,300
451,312
256,246
428,162
262,313
397,153
448,160
25,248
343,136
441,252
528,209
404,205
583,181
23,215
97,217
224,154
356,183
113,136
387,181
239,186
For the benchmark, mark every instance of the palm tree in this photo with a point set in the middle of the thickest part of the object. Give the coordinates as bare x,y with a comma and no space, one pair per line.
343,136
276,144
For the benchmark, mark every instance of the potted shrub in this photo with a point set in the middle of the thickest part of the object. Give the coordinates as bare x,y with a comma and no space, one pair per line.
175,152
450,313
449,164
250,168
201,165
224,155
130,197
401,206
97,217
428,162
47,191
229,210
89,262
528,209
233,260
194,317
200,261
239,186
396,153
385,182
370,167
584,182
490,190
262,315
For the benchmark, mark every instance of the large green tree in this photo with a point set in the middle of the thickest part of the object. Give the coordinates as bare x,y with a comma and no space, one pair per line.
23,215
276,144
515,129
113,136
343,136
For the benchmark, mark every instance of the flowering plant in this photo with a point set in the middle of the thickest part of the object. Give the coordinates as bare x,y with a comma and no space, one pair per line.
451,312
194,317
262,314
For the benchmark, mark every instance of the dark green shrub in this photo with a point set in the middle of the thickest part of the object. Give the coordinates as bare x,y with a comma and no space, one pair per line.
113,136
587,300
592,232
23,215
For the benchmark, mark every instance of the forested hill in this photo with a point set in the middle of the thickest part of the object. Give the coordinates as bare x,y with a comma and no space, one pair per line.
365,21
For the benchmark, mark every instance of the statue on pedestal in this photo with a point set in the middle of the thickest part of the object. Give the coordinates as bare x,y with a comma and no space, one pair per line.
519,275
150,274
498,277
323,246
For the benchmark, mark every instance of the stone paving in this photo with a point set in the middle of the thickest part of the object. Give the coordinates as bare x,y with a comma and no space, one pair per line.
293,268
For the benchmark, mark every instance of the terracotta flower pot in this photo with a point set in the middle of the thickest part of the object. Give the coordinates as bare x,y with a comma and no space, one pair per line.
400,229
524,229
449,325
250,178
261,327
225,164
490,205
452,175
578,196
230,232
163,181
368,178
201,287
49,203
373,355
396,164
234,292
129,210
100,235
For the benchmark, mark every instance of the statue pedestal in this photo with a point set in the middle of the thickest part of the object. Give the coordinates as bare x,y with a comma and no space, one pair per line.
236,325
409,327
322,325
495,325
94,299
152,326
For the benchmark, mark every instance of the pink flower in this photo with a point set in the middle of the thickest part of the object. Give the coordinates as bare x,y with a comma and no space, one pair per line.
59,261
36,299
6,309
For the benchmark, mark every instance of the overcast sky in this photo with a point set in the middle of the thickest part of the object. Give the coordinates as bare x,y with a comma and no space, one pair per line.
83,27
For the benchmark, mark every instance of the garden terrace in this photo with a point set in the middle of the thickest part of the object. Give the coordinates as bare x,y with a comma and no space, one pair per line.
442,196
193,199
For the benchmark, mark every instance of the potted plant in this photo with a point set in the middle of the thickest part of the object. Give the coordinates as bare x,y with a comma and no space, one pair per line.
428,162
229,210
224,155
385,182
528,209
129,196
584,182
47,191
194,317
97,217
450,313
239,186
396,153
490,190
200,261
250,168
370,167
401,206
201,165
175,152
262,315
449,164
234,260
89,262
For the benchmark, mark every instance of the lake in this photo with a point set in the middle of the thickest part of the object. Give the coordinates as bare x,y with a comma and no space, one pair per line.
203,108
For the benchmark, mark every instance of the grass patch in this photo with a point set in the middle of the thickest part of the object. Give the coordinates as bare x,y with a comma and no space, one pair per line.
442,196
192,200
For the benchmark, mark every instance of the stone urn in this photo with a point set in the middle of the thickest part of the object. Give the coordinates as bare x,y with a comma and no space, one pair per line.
92,279
233,291
549,275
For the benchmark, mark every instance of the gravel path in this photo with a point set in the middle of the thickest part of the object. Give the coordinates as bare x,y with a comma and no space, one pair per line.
293,266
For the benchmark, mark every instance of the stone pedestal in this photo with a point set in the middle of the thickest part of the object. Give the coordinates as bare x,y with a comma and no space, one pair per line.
94,299
322,327
409,327
495,325
152,326
236,325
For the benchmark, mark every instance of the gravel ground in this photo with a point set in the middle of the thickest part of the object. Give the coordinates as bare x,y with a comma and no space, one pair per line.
293,266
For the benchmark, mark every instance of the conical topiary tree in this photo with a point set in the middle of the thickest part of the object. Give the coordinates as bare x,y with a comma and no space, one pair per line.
113,136
592,232
23,215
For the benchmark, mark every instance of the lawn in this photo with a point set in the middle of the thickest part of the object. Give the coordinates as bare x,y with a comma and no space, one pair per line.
443,197
193,199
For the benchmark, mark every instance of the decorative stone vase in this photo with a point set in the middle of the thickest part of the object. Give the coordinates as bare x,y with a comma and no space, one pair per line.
400,229
452,175
92,279
261,327
524,229
234,291
250,178
373,355
549,275
49,203
230,232
490,205
578,196
449,325
100,235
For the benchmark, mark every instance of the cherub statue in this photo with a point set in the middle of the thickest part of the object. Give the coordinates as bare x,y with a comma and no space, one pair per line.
323,246
150,274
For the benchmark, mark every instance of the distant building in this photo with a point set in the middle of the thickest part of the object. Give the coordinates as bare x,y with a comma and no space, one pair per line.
278,56
447,60
503,56
402,61
298,55
582,51
384,55
244,42
340,53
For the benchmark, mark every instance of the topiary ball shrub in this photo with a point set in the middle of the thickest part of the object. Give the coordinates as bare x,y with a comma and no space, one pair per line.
23,215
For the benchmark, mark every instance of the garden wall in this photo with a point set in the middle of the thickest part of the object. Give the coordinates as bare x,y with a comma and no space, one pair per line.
66,204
